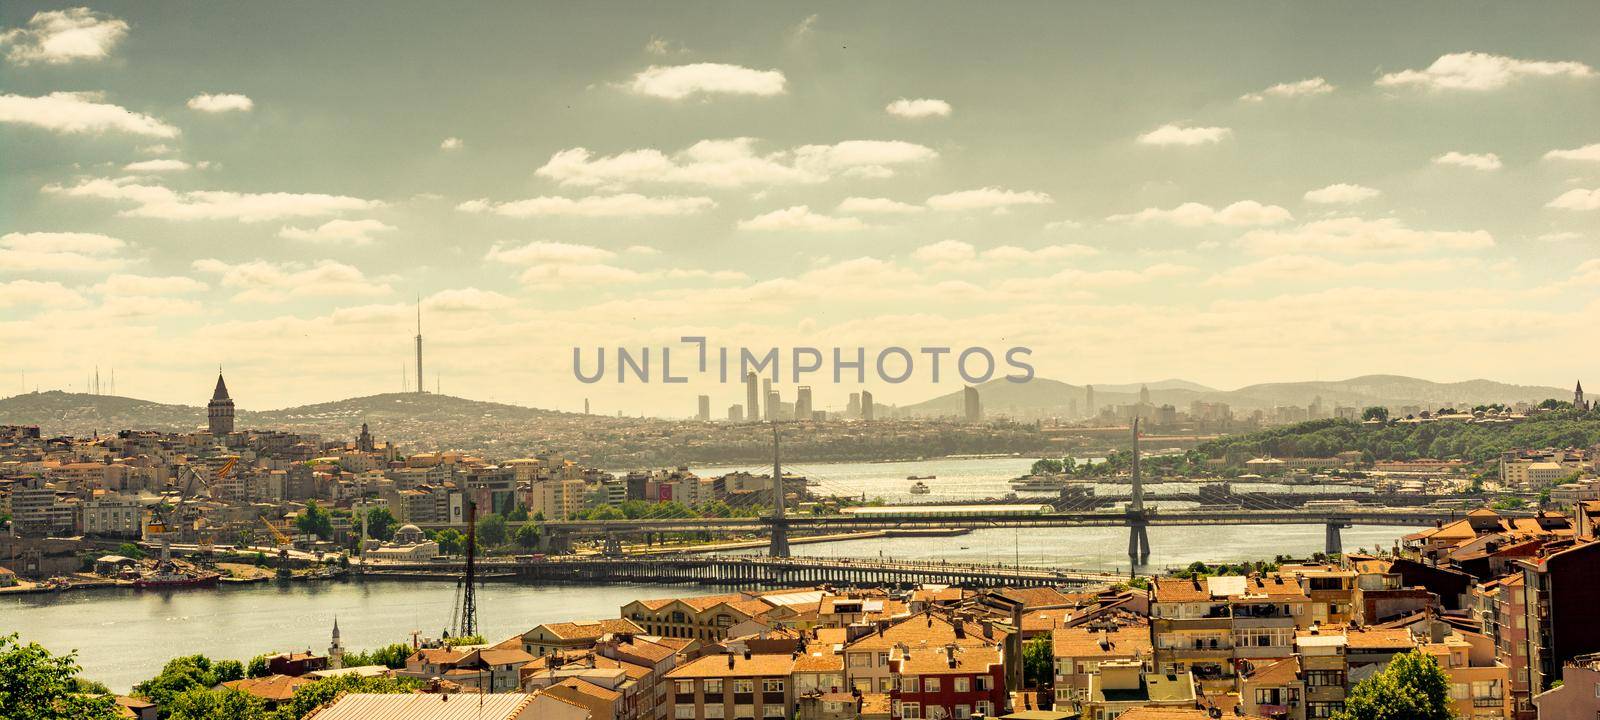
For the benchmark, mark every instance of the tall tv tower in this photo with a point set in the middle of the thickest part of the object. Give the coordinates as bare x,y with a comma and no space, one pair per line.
420,387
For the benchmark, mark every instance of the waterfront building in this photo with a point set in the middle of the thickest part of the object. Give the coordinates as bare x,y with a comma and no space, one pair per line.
112,516
701,619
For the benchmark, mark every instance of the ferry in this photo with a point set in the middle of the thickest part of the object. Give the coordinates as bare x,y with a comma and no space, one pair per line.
1038,483
920,488
921,477
170,576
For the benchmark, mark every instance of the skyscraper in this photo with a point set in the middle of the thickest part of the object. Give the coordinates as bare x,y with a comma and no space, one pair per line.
772,405
802,403
766,395
705,409
736,413
219,412
1144,395
1088,401
752,397
974,406
866,405
853,409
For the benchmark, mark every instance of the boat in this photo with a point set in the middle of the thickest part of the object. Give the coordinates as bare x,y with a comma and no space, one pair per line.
921,477
1038,483
171,577
920,488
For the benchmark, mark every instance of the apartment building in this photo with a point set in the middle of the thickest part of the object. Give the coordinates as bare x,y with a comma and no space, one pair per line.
1078,652
1203,625
702,619
1123,685
733,686
949,681
112,516
869,659
1561,594
556,638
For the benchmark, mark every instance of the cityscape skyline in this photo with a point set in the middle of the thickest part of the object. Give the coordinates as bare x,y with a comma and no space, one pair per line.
558,179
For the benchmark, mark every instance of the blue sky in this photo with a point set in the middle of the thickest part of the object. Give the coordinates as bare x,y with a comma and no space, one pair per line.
1229,193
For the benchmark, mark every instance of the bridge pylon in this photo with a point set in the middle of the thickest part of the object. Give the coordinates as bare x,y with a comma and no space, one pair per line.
1332,543
1138,541
780,528
1138,524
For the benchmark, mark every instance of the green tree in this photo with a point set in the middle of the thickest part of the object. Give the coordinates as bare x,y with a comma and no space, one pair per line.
1376,412
130,550
381,523
257,667
391,656
1038,660
180,674
220,704
451,541
312,695
527,536
1412,687
607,512
36,685
492,531
1047,466
518,514
315,521
227,671
715,509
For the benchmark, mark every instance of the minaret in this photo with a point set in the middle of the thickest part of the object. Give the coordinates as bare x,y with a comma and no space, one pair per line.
420,387
335,650
1577,397
219,412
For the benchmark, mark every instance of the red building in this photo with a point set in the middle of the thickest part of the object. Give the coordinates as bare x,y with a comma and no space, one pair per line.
947,681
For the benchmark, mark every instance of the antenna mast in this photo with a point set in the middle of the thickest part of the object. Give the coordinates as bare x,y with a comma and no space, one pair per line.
421,387
467,623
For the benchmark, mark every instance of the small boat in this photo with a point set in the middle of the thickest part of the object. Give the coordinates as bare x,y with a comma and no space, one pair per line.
1038,483
921,488
921,477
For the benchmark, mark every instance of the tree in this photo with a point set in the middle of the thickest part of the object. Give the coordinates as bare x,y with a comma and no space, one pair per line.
1038,659
528,536
518,514
451,541
130,550
381,523
390,656
227,671
258,667
208,704
312,695
492,531
1046,466
1413,687
36,685
1376,412
315,521
607,512
179,675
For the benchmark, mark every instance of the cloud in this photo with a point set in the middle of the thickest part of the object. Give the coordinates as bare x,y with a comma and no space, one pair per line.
158,165
18,293
155,201
1560,236
733,163
1171,134
800,217
1059,225
269,282
661,46
623,205
945,252
1577,199
79,113
987,198
1193,214
876,206
469,299
588,274
1587,153
1475,161
55,37
542,252
956,252
60,252
1341,194
1303,88
1476,71
221,103
1302,270
451,143
642,250
804,28
918,108
1013,254
349,232
149,286
1356,236
677,82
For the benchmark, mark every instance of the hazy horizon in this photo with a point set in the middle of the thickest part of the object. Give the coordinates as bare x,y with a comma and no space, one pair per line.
1230,194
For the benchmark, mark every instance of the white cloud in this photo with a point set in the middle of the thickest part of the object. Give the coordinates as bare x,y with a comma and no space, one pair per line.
451,143
1577,199
800,217
350,232
221,103
1193,214
1356,235
1302,88
918,108
60,252
677,82
157,165
1059,225
1341,194
155,201
148,286
1587,153
1013,254
1302,270
1171,134
955,252
871,206
988,198
733,163
541,252
622,205
1476,71
1475,161
1567,236
19,293
582,274
269,282
642,250
945,252
469,299
79,113
55,37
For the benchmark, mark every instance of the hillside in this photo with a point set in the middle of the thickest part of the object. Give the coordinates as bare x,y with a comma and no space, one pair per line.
1476,442
1044,396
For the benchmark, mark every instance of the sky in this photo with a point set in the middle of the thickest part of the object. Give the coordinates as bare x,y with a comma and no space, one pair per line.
1228,193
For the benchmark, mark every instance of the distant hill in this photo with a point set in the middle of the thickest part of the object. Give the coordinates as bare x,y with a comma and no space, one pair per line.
1046,396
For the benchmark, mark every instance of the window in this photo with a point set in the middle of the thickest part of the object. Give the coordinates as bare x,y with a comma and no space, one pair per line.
772,711
910,711
772,685
883,659
685,687
985,683
885,684
936,712
683,712
962,685
744,687
713,686
909,684
716,710
1322,678
860,660
963,712
930,685
1458,691
985,708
